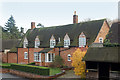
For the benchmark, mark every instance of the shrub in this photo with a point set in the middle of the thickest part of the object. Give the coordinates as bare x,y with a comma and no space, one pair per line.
6,65
33,63
58,62
31,69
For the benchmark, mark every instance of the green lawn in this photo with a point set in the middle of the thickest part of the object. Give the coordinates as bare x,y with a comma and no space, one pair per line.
54,71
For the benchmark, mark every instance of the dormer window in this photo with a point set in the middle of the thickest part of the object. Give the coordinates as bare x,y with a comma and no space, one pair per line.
37,42
100,40
25,43
52,42
66,41
82,40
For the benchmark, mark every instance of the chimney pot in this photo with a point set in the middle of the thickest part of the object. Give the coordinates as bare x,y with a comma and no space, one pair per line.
75,18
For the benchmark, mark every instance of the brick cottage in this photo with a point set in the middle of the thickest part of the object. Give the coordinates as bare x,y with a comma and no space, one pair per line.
41,45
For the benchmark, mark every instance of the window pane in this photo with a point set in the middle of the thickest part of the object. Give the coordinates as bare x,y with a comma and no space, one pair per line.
49,59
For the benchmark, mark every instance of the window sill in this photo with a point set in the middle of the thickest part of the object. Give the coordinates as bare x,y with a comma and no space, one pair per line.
37,61
49,61
25,58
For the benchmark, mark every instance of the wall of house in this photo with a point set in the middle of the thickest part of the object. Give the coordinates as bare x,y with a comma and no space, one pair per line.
9,57
103,32
4,57
0,56
12,57
30,52
63,54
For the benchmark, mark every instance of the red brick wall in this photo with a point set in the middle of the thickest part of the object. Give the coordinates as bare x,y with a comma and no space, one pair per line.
103,32
0,56
30,54
63,54
21,55
12,57
4,57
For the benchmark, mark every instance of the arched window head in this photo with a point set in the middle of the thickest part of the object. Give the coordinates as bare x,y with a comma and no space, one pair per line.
82,40
100,40
25,43
37,42
52,42
66,41
69,56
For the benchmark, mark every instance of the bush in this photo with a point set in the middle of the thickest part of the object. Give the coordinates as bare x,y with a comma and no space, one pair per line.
33,63
31,69
6,65
58,62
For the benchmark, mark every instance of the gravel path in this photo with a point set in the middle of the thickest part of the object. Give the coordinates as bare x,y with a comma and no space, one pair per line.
69,74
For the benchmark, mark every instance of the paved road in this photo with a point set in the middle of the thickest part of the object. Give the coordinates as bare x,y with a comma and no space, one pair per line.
7,76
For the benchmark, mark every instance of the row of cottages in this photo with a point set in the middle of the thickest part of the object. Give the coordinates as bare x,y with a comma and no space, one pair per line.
41,45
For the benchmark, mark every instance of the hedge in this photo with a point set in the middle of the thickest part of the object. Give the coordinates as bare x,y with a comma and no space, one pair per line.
33,63
31,69
5,65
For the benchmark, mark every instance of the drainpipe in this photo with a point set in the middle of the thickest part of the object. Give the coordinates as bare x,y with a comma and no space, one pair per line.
17,55
28,55
7,57
59,51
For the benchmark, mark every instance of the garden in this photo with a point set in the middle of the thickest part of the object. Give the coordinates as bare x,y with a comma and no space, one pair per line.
46,71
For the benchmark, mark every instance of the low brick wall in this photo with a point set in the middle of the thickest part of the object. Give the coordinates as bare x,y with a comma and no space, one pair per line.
26,75
67,68
4,70
30,75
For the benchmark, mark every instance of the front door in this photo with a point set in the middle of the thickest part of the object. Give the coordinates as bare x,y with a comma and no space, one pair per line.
43,59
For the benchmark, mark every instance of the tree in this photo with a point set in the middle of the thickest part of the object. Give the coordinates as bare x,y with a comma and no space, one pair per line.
77,63
10,24
58,62
12,29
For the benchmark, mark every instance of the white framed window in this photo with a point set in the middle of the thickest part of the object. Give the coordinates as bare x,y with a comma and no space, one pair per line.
25,55
25,43
52,43
66,43
49,57
69,56
37,44
100,40
37,57
82,41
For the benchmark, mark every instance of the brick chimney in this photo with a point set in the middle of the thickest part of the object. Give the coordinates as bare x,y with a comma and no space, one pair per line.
75,18
32,25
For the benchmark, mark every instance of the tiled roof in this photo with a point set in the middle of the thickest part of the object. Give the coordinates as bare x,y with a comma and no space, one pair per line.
90,29
9,44
114,33
45,50
104,54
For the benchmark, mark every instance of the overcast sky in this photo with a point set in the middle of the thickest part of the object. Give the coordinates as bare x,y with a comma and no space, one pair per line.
55,13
